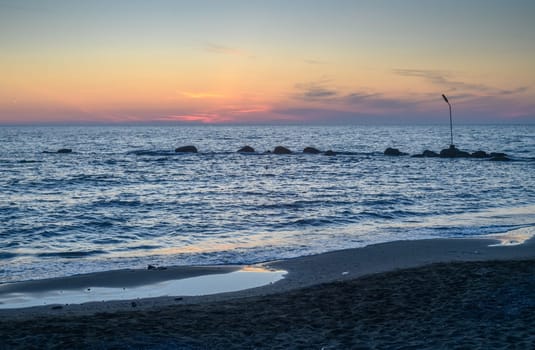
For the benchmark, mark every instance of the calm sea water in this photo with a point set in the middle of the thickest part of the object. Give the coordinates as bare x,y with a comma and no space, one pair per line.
124,198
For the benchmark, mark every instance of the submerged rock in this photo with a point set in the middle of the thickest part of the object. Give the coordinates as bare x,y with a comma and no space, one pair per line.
311,150
498,154
427,154
186,149
64,150
453,152
281,150
431,154
500,157
246,149
330,153
480,154
393,152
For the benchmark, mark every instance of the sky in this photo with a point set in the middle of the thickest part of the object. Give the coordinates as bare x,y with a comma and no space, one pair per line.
269,61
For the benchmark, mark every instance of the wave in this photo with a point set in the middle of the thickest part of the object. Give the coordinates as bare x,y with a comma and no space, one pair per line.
7,255
313,222
29,161
71,254
117,202
153,153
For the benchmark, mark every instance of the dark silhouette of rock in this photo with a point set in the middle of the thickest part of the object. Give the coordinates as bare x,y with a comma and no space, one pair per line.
393,152
64,150
281,150
186,149
427,154
311,150
246,149
330,153
499,157
453,152
480,154
498,154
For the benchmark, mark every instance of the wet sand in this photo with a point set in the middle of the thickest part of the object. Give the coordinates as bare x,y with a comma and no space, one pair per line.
413,294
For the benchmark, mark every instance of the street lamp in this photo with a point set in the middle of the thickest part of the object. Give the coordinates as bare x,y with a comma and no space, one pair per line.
451,124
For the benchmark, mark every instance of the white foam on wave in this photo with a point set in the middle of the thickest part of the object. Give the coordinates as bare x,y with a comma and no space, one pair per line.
513,237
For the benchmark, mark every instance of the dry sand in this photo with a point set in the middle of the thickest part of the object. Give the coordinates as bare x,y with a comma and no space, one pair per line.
409,294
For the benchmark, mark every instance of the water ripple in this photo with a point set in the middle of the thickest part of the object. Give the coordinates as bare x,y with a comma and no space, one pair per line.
124,198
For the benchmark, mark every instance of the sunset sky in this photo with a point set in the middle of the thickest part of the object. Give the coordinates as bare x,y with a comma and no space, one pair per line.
276,61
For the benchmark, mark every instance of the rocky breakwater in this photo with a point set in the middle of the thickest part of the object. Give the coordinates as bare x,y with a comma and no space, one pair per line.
452,152
394,152
246,149
281,150
311,150
186,149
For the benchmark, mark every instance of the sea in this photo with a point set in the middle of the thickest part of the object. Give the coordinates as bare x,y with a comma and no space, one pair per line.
123,198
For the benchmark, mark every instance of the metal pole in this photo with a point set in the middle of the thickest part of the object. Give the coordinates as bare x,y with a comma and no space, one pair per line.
451,126
451,122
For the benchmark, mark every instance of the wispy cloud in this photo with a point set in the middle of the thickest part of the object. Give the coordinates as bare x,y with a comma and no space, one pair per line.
224,50
517,91
251,110
323,91
462,89
315,90
200,95
315,62
358,97
477,98
202,118
442,79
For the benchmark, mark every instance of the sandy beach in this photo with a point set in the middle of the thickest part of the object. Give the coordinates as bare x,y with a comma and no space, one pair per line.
443,293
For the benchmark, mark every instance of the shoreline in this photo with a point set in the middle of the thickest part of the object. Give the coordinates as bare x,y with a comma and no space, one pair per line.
302,272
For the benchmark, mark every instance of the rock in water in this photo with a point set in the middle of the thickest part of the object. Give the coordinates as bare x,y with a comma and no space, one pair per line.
500,157
480,154
246,149
453,152
311,150
281,150
393,152
330,153
64,150
428,153
186,149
